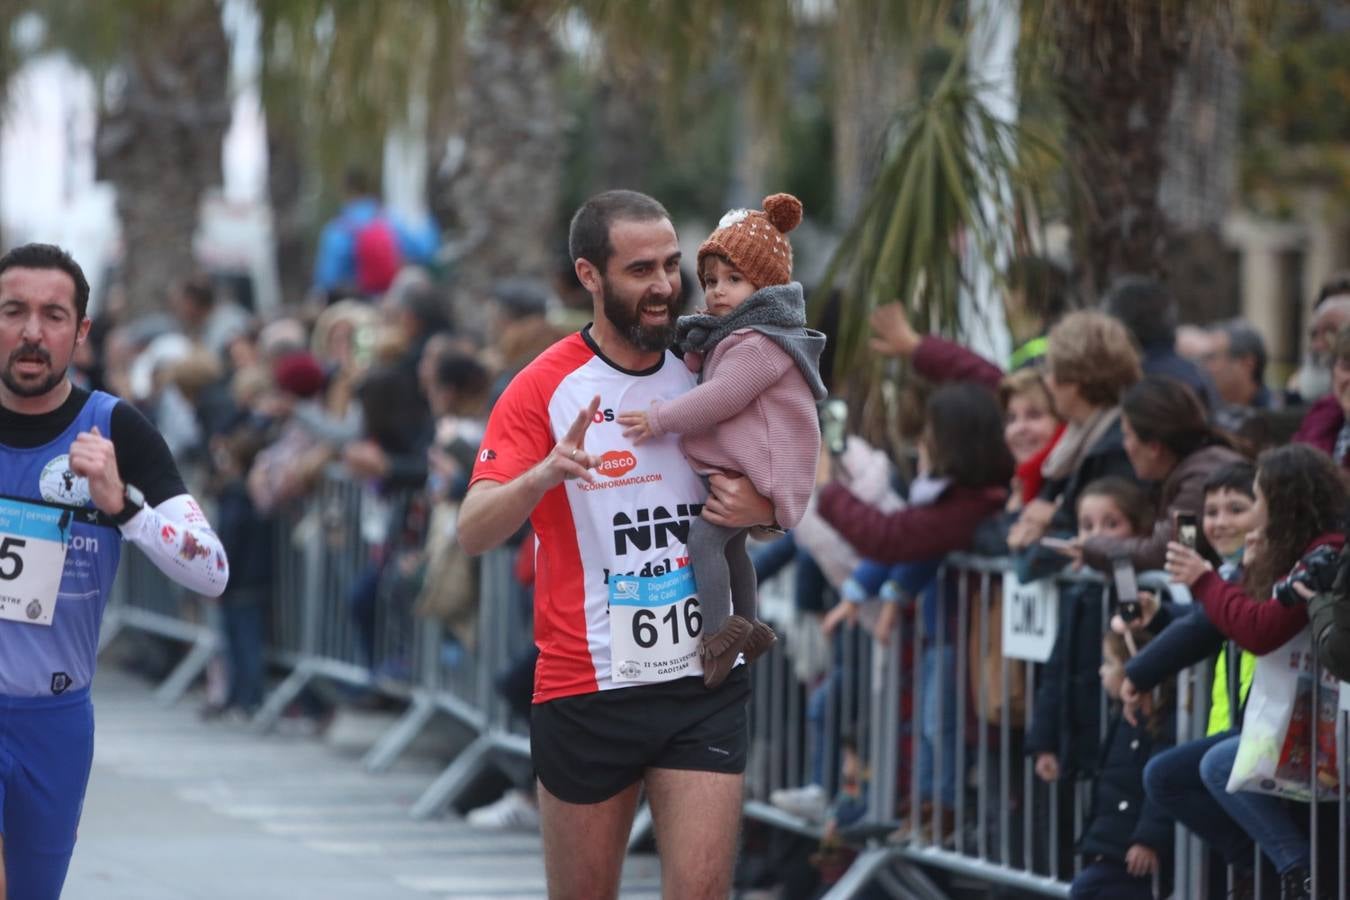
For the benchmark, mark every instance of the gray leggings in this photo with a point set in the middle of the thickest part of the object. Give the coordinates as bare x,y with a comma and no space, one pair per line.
723,573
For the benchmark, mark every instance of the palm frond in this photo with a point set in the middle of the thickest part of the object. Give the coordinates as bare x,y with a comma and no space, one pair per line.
352,69
947,188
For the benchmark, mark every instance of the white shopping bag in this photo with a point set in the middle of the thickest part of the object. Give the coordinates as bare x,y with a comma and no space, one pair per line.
1277,728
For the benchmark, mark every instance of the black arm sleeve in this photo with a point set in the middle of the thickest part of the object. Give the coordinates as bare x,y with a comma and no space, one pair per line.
1189,639
143,458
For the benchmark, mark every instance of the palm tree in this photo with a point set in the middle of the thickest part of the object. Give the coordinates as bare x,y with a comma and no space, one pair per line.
159,135
1097,135
336,78
505,193
490,74
162,69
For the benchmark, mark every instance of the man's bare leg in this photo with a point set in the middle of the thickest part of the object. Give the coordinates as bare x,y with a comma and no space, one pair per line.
697,820
584,844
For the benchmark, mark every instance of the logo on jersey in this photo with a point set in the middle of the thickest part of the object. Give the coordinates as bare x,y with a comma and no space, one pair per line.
616,463
168,534
60,682
58,484
603,415
487,456
655,526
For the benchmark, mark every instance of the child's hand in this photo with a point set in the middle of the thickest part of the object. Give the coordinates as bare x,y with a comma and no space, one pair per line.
843,611
885,624
1140,861
1072,549
636,426
1250,544
1047,767
693,361
1184,564
1134,702
1148,608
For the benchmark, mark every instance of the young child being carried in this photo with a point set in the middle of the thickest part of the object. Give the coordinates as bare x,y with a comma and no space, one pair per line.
754,413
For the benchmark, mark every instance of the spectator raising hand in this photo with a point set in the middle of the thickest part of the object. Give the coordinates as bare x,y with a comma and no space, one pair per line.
892,335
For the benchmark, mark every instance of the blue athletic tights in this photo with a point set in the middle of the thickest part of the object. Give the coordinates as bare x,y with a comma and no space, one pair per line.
46,751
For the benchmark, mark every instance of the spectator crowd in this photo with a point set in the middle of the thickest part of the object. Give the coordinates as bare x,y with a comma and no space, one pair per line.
1110,431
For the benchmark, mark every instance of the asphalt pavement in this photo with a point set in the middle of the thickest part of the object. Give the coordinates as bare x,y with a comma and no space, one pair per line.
183,809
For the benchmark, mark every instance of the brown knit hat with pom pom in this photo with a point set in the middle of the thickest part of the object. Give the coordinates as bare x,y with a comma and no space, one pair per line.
756,242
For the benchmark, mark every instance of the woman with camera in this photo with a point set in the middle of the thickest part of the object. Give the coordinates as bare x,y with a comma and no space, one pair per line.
1300,507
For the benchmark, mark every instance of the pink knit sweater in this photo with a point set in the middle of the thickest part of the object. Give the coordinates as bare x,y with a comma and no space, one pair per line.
753,415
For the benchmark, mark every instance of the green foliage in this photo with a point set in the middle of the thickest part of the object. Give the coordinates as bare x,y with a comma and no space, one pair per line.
342,73
941,192
1295,120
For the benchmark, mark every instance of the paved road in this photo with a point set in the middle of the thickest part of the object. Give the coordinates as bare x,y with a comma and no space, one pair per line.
179,809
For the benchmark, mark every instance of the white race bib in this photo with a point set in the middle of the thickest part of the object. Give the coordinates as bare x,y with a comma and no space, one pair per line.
32,559
655,625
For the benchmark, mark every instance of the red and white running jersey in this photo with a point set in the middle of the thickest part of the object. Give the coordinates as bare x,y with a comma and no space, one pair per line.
633,519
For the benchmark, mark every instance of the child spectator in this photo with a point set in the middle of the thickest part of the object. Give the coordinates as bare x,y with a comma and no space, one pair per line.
1126,837
754,413
962,448
1066,721
1186,636
247,538
1300,505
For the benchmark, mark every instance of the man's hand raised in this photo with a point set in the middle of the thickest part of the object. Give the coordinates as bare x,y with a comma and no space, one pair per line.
569,458
93,456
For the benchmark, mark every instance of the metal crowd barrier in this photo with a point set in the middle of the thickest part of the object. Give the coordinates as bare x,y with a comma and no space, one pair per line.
1006,827
323,549
145,599
320,560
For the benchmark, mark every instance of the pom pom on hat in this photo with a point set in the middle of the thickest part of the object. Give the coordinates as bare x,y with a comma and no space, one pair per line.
784,211
755,242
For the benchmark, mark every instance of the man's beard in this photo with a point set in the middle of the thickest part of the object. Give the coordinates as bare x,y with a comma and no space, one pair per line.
627,321
30,389
1314,379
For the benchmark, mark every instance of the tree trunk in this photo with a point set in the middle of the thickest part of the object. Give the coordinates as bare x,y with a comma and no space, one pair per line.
292,235
1199,180
505,194
159,140
871,83
1119,64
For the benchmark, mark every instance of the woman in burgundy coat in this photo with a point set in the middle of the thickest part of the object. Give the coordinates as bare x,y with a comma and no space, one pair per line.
1301,503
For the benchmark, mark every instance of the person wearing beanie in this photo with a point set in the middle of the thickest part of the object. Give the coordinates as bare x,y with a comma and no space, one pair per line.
299,373
754,412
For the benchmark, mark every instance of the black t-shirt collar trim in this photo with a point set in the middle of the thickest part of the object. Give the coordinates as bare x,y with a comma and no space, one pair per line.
18,430
595,348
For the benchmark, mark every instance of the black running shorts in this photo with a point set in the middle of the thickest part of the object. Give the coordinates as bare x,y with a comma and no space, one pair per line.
590,747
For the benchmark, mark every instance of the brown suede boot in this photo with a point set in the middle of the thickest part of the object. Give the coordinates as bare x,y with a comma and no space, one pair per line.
719,651
761,639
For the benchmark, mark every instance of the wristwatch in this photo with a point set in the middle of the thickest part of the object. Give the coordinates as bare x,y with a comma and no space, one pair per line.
133,501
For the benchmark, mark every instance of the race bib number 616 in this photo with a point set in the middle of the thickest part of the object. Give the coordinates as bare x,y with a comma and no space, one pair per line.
655,625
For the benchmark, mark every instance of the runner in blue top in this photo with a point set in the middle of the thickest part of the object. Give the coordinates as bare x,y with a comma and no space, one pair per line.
79,473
